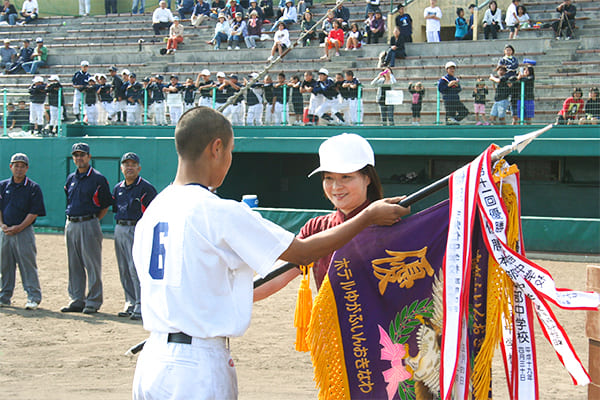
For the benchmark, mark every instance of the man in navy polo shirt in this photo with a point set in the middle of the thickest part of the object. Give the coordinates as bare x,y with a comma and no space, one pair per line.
21,202
88,199
131,197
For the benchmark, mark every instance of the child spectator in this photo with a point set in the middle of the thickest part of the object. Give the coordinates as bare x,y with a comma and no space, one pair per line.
253,30
501,103
572,109
355,38
376,28
592,107
281,41
461,26
305,26
335,40
175,36
509,61
469,35
512,22
54,89
492,21
37,97
384,80
433,16
479,94
417,91
297,99
523,18
526,77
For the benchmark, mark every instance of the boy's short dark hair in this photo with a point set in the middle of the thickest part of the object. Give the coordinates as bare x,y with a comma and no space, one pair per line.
197,128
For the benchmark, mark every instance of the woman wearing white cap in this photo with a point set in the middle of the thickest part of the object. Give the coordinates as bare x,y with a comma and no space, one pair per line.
350,182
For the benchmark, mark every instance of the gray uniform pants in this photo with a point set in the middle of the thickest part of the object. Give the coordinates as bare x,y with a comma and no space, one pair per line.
84,250
127,272
19,250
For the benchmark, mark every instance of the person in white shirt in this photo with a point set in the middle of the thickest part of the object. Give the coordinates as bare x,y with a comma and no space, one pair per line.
162,18
492,21
196,255
222,31
29,11
512,19
433,16
281,41
289,15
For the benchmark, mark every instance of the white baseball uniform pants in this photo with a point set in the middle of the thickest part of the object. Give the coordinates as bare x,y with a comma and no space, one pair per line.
36,114
254,116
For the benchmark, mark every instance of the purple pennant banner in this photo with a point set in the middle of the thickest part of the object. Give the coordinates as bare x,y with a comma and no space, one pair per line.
388,287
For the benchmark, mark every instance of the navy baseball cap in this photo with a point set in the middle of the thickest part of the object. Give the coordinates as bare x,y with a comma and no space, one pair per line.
113,68
160,77
233,76
132,75
19,157
130,156
174,76
83,147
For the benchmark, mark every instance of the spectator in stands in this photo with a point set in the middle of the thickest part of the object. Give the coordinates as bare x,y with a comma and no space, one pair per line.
281,41
376,28
404,23
566,22
417,92
335,40
185,6
523,18
9,13
8,55
511,19
503,91
384,81
433,16
509,61
592,108
25,53
326,27
449,87
396,49
492,21
84,7
238,27
372,6
175,36
259,12
37,97
162,18
200,13
305,26
253,30
289,15
222,29
110,7
572,109
296,99
479,97
138,6
307,86
39,57
342,15
231,8
461,25
267,8
29,11
254,101
217,7
174,99
527,78
355,38
469,35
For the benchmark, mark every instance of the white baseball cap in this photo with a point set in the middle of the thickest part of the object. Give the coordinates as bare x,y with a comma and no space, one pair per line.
450,64
344,154
205,72
254,75
221,74
324,71
85,63
54,78
38,79
125,72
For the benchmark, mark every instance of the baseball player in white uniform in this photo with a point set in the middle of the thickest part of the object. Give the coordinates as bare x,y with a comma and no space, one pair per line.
196,254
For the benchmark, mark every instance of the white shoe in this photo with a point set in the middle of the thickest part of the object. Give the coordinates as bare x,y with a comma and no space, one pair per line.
228,47
324,57
237,47
337,54
322,45
31,305
270,59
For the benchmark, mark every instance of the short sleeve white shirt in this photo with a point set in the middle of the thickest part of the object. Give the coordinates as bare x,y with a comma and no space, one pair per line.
195,255
511,11
432,25
30,6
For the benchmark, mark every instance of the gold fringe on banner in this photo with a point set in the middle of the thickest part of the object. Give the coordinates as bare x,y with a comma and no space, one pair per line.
326,348
499,291
303,308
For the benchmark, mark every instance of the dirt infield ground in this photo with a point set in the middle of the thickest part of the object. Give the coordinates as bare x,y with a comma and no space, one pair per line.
45,354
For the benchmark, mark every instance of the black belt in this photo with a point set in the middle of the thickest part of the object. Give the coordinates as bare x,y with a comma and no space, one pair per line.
126,222
158,101
179,337
89,105
81,219
189,104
